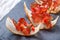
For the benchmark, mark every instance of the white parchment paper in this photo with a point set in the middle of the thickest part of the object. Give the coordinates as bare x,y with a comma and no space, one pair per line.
6,6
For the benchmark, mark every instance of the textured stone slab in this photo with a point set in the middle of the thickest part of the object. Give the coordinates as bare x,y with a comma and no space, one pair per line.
17,13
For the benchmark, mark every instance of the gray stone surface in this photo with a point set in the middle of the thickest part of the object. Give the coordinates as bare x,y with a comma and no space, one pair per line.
17,13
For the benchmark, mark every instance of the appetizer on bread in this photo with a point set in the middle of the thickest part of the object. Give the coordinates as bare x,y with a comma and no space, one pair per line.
40,17
53,5
22,27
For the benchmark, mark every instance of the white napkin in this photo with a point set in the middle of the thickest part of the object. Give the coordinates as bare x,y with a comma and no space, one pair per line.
6,6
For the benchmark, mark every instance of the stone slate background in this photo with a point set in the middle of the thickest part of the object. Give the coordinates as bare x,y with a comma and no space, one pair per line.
18,12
